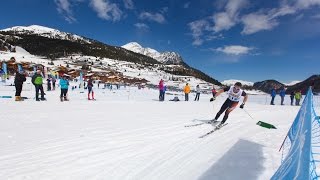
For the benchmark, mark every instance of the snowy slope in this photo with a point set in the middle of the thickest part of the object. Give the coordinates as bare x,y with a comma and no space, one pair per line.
152,74
96,140
46,32
233,81
165,57
292,83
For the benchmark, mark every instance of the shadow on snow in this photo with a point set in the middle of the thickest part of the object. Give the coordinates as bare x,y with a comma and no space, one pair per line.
243,161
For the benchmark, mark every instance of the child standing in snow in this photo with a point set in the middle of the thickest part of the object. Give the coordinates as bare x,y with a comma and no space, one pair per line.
64,85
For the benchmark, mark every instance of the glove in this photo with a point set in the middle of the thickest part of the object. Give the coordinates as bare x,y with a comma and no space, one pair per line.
242,105
212,99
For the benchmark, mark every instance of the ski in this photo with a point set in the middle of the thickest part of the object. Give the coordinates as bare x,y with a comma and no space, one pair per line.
199,124
210,132
193,125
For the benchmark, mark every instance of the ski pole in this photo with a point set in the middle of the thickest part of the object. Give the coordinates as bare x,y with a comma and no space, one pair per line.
248,114
283,142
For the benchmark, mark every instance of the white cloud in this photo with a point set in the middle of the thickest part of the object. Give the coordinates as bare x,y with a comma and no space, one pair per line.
227,19
234,7
234,50
141,26
156,17
212,37
64,8
106,10
223,22
186,5
255,22
128,4
217,22
304,4
197,28
230,14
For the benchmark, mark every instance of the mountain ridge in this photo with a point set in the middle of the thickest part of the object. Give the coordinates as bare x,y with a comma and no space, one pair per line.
53,44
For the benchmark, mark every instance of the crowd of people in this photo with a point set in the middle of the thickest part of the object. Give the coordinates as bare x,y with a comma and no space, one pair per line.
294,95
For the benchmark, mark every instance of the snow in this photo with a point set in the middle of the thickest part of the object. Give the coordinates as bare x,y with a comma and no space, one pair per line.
233,81
292,83
165,57
45,32
128,134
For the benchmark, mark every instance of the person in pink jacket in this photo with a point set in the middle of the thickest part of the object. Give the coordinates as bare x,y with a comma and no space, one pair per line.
161,90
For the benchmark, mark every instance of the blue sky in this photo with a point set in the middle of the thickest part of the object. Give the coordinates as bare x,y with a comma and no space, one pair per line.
251,40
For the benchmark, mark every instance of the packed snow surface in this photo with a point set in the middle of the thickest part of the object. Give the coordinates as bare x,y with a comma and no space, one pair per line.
129,134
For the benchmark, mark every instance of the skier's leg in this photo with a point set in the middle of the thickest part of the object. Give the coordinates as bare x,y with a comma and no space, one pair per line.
228,111
222,109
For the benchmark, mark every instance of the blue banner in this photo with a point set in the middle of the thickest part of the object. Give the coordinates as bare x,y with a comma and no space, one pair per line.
5,71
20,69
296,164
4,68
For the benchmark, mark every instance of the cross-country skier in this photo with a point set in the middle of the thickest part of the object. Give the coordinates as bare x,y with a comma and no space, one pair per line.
234,94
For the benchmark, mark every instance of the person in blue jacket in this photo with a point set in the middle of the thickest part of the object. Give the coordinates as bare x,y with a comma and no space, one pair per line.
282,94
273,95
64,85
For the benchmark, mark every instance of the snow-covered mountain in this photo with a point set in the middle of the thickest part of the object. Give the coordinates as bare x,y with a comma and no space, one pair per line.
233,81
292,83
164,57
53,45
46,32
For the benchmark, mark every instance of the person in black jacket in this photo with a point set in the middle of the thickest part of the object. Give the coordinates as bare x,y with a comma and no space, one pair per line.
18,82
292,97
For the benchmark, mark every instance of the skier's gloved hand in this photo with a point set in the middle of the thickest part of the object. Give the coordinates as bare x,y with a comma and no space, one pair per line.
212,99
242,105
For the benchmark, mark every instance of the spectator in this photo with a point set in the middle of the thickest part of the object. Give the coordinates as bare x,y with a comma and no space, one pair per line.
292,97
18,82
298,97
273,95
37,81
186,91
197,93
282,94
64,85
161,89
